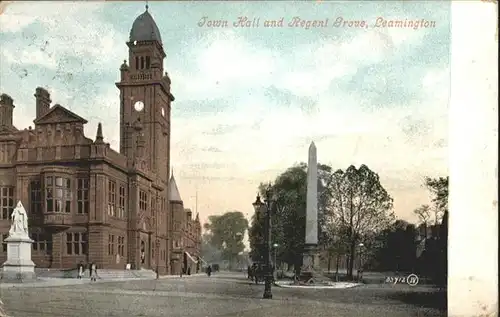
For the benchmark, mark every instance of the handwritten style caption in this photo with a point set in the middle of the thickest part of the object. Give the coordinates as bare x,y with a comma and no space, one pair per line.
298,22
411,279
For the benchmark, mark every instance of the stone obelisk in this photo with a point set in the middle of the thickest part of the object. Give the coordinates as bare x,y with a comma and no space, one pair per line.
310,260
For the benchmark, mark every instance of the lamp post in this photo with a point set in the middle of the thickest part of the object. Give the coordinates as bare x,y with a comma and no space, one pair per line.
360,266
275,262
259,206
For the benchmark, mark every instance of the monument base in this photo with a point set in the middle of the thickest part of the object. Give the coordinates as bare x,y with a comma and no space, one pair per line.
310,272
19,267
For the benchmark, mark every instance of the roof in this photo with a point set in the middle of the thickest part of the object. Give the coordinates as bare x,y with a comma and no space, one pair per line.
144,28
59,114
174,194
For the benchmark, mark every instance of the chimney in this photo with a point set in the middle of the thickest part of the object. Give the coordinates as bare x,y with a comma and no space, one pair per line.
42,101
6,110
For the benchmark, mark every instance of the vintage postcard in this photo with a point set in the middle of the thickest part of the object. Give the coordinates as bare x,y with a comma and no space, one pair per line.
247,158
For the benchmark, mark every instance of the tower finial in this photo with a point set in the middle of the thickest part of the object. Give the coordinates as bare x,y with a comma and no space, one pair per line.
147,7
99,137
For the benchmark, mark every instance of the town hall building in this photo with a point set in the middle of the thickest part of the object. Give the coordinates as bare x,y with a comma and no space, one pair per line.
87,202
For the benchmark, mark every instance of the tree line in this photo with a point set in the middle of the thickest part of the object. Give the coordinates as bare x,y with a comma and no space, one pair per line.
353,208
223,238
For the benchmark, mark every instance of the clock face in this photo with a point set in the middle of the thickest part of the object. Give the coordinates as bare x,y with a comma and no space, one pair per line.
138,105
162,112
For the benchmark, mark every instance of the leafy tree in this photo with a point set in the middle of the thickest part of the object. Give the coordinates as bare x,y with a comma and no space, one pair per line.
394,248
209,252
288,213
360,205
226,233
334,243
439,189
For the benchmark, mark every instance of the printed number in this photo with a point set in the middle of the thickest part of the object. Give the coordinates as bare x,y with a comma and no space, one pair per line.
389,279
412,280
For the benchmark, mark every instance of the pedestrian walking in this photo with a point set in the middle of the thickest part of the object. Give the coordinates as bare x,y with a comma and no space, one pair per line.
80,267
93,272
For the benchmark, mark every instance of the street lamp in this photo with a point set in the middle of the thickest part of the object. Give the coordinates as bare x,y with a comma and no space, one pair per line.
258,205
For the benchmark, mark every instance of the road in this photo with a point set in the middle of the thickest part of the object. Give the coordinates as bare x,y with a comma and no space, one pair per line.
223,294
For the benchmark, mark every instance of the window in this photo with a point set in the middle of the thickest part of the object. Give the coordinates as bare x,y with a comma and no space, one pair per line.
153,210
76,243
148,62
58,194
137,62
121,202
6,202
111,244
142,62
83,195
121,246
36,197
111,198
42,243
4,244
143,201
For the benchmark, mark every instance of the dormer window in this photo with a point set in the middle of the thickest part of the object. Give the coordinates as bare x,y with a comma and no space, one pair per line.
148,62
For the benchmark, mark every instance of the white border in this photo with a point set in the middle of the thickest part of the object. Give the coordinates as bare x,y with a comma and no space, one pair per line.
473,220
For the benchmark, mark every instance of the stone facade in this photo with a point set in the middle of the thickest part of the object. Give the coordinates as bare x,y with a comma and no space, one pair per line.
87,202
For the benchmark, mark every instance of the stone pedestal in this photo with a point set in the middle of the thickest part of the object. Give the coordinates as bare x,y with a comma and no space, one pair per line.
19,267
310,263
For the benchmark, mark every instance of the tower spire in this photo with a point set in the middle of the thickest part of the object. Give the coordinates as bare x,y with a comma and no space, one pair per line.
147,6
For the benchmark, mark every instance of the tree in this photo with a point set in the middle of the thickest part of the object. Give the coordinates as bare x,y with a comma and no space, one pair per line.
423,213
394,248
360,205
439,190
226,233
288,213
209,252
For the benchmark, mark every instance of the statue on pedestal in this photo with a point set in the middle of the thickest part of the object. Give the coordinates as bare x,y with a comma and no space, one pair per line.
19,225
19,266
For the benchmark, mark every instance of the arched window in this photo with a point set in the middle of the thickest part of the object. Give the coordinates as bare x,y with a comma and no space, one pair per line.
148,62
142,62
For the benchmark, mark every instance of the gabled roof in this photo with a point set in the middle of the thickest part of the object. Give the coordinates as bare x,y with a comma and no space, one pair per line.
174,194
59,114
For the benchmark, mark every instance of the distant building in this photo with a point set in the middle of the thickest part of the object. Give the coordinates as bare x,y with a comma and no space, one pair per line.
87,202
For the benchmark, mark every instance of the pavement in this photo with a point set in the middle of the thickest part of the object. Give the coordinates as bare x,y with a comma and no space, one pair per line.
223,294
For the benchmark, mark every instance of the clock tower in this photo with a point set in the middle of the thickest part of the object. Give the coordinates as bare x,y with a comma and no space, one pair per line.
145,99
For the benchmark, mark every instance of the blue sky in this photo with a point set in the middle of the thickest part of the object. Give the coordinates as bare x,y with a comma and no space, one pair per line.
250,100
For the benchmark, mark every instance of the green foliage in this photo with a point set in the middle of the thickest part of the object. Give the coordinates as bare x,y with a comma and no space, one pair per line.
289,193
394,248
359,207
226,233
439,190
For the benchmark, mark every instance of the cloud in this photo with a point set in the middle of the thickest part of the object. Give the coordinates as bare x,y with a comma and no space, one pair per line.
45,33
249,103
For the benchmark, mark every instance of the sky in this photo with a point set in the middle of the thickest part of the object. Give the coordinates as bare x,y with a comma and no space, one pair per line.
249,100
